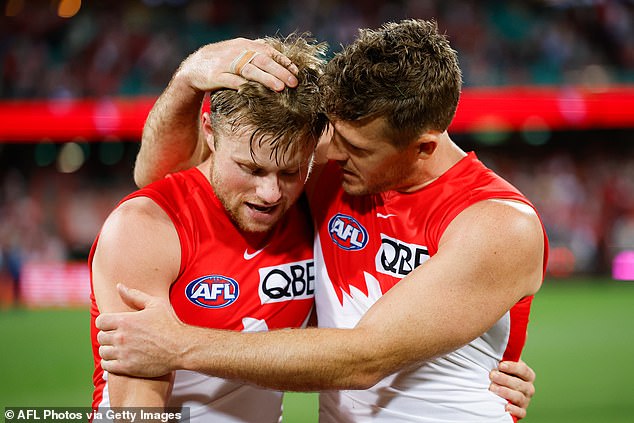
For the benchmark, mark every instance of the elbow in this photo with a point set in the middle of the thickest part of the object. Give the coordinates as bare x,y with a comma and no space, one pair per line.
364,380
145,165
369,359
367,372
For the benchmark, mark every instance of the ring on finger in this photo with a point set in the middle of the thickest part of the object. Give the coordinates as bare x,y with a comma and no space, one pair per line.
241,60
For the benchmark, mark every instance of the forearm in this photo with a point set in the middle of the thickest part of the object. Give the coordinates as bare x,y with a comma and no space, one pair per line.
389,338
126,391
290,360
170,135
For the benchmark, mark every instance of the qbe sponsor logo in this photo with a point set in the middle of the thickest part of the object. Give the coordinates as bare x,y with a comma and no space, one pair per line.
347,232
291,281
212,291
397,258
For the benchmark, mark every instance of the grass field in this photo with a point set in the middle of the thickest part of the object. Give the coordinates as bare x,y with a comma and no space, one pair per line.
581,343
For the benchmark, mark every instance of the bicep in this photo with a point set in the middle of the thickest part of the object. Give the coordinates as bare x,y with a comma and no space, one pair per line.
488,259
142,251
138,245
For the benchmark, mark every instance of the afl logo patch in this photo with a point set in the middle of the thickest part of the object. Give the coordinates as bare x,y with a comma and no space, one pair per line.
347,232
212,291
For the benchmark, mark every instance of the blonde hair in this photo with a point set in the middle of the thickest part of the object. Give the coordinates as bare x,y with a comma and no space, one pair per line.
290,121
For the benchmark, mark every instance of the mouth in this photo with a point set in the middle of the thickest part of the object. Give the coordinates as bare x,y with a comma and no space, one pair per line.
348,173
262,209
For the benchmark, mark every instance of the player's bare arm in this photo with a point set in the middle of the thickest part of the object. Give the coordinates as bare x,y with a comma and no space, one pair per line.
170,140
136,247
490,256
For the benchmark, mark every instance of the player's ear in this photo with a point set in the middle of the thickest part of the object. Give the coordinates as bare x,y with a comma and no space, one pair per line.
426,144
207,130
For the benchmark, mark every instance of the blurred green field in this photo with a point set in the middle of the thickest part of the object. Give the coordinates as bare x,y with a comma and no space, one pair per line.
581,343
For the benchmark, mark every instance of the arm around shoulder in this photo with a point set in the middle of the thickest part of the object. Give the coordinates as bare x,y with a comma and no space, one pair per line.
490,257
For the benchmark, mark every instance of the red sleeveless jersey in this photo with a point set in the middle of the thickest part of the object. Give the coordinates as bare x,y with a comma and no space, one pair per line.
366,244
225,280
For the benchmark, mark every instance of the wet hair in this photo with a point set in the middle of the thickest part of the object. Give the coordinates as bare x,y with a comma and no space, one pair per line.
290,121
405,72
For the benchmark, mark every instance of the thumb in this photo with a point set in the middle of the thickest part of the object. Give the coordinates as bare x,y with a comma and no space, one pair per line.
134,298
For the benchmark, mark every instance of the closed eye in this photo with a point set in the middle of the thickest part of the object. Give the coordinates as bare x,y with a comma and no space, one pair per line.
351,147
251,170
290,172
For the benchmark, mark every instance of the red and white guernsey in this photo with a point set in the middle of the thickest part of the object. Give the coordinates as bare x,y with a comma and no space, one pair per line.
367,244
227,282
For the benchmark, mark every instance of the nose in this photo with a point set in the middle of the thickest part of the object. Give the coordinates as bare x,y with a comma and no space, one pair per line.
335,152
268,189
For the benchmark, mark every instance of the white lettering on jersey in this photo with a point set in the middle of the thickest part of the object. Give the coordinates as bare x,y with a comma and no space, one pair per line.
397,258
291,281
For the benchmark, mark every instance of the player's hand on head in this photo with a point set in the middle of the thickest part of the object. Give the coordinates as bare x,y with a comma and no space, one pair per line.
229,64
141,343
514,381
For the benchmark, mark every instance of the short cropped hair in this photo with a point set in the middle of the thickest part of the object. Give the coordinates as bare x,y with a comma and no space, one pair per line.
405,72
290,121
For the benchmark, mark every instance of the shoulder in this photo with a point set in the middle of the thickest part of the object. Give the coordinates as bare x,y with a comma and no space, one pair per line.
138,231
136,214
511,217
517,217
503,235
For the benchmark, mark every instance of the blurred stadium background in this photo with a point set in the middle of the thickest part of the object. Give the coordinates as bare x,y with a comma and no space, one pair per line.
548,103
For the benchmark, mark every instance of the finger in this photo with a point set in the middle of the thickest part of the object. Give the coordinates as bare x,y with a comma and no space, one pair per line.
111,366
230,80
253,73
512,382
106,321
278,71
278,56
106,352
279,66
241,60
105,338
513,396
519,369
516,411
284,61
134,298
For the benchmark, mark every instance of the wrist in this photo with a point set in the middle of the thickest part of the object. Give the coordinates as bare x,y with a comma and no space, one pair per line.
183,80
183,83
185,351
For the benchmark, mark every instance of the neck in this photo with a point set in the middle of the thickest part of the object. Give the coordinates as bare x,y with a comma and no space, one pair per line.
206,167
430,168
